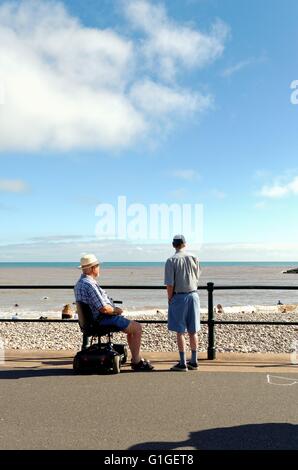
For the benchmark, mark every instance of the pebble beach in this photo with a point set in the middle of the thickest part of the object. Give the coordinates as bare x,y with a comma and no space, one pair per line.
147,305
156,337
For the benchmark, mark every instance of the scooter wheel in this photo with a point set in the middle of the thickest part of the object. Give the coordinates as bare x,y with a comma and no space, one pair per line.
76,365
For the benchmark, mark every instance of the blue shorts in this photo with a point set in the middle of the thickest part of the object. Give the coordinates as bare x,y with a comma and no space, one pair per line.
184,313
114,320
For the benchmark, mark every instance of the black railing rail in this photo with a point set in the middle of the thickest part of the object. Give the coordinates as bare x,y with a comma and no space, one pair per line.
211,322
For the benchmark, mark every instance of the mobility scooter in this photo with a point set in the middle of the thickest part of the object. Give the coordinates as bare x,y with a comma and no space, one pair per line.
100,357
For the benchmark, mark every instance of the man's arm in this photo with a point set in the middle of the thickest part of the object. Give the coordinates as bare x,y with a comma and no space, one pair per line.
198,269
99,304
109,310
170,290
169,279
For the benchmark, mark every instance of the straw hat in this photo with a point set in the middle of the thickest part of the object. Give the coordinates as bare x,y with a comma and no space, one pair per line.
88,261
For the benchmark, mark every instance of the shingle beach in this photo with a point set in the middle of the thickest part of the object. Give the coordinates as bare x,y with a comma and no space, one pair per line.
231,338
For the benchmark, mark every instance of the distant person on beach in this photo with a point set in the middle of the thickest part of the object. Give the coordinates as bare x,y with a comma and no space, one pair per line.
67,312
87,290
182,272
220,308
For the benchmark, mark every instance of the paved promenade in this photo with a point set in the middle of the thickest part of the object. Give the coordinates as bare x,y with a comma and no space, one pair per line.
239,401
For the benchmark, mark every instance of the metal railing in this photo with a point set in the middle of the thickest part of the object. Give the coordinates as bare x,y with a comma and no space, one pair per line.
211,322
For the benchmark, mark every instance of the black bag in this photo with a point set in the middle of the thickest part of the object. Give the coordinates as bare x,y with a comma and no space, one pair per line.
100,358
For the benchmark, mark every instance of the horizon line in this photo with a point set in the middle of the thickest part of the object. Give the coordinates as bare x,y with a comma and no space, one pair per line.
153,262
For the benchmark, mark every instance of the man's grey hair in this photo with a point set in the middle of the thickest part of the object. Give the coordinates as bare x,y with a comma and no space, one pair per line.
87,270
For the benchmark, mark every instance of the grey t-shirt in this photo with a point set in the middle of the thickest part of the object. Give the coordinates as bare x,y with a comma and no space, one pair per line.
182,270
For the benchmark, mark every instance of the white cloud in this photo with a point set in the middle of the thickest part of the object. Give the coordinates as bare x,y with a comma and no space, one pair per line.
160,100
69,86
188,175
169,44
278,190
249,251
293,185
63,81
13,186
236,67
178,194
71,250
260,205
275,191
218,194
242,64
261,174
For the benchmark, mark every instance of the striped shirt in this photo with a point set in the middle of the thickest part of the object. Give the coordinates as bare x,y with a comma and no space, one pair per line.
88,291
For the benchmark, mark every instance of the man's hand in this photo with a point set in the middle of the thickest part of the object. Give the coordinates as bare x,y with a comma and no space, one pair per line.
118,311
109,310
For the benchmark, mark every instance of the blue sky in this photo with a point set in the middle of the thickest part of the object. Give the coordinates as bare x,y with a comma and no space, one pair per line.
163,102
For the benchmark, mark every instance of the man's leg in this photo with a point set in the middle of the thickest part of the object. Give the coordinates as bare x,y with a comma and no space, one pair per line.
193,340
134,334
193,325
181,366
181,347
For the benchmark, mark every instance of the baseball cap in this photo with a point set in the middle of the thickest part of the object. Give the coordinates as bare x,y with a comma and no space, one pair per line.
179,238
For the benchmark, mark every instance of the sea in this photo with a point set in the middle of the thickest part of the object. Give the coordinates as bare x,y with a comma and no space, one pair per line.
33,303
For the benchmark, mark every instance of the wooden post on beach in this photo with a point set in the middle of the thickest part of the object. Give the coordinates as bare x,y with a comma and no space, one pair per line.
211,329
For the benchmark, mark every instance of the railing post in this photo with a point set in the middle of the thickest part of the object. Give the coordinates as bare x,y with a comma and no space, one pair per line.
211,326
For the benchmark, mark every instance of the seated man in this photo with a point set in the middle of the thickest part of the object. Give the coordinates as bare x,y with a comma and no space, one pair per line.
88,291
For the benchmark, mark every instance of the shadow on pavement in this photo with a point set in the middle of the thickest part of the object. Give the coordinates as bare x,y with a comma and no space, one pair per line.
35,359
26,372
57,363
268,436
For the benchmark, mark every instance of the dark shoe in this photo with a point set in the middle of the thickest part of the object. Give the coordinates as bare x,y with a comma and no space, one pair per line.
179,368
192,365
142,366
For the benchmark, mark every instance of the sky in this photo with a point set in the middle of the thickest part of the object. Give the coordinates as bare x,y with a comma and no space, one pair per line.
161,102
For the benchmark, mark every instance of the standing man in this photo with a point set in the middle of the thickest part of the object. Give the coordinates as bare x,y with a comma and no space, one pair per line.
87,290
182,271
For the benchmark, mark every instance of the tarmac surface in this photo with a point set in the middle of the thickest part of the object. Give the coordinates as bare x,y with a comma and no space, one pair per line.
238,401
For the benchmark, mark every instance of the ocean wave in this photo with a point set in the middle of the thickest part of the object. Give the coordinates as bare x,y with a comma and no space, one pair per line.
134,312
